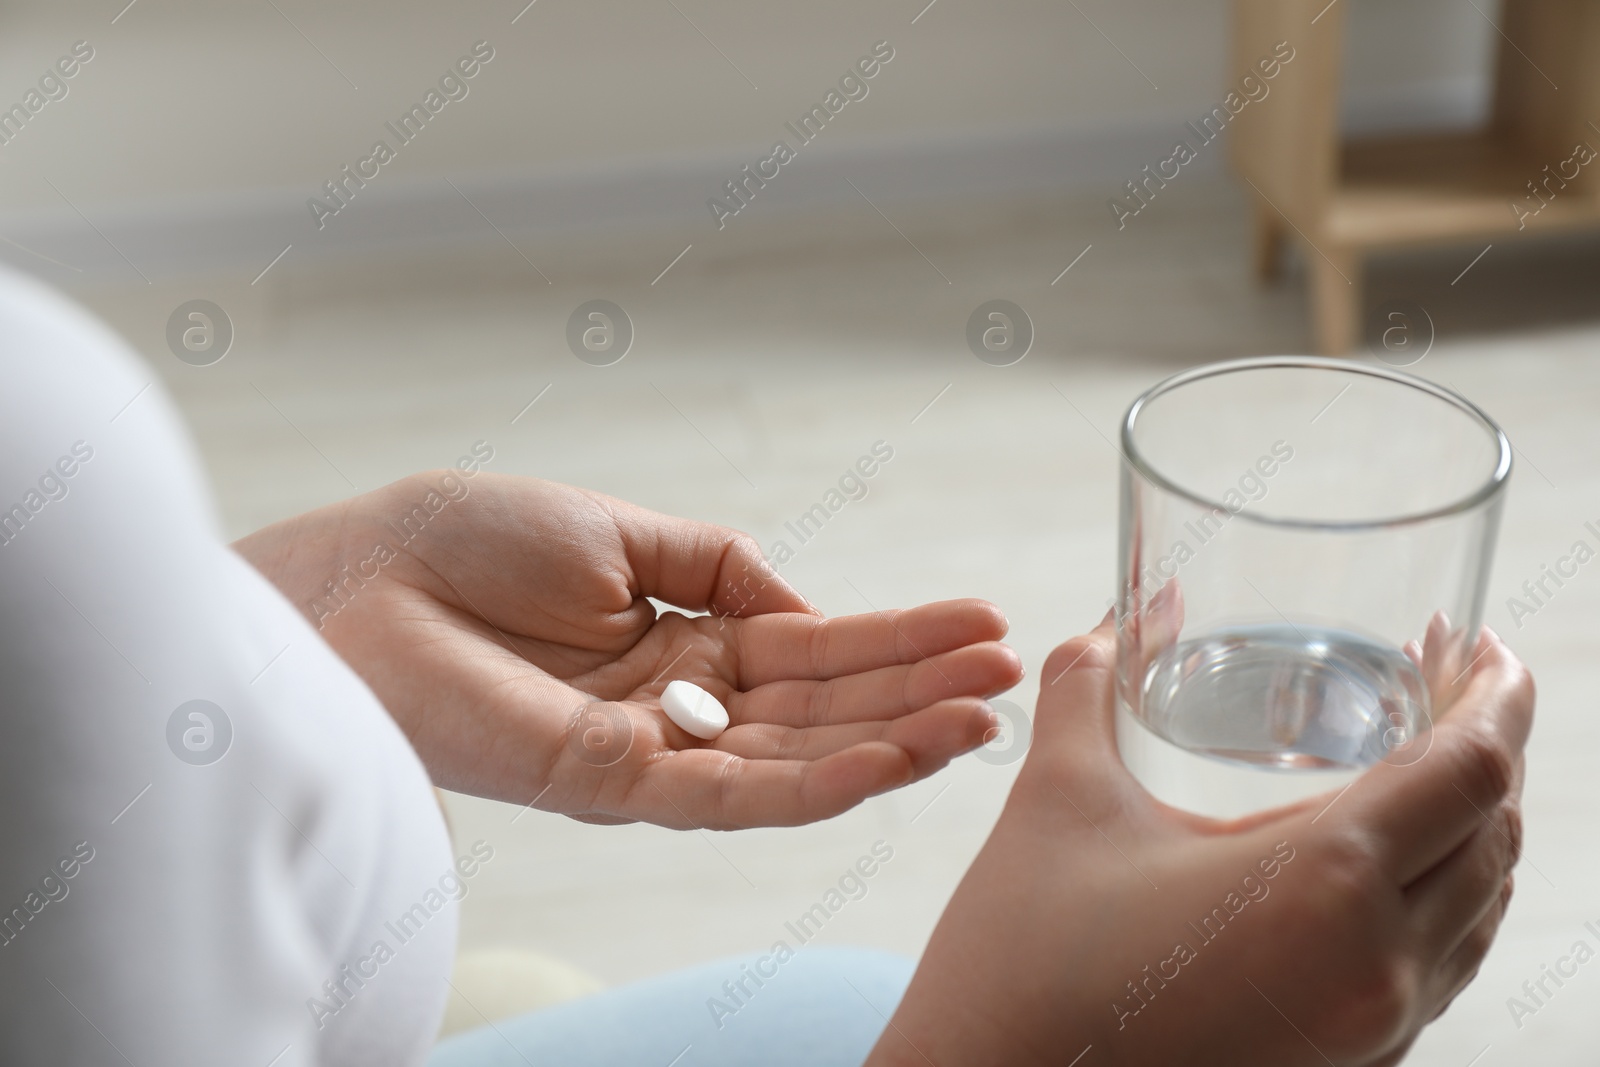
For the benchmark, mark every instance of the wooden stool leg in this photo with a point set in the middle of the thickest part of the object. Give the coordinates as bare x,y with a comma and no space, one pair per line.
1335,298
1269,237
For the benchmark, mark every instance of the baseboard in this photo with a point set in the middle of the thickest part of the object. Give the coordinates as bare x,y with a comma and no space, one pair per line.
241,233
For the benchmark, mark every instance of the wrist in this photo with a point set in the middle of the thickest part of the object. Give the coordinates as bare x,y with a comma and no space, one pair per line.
952,1017
320,559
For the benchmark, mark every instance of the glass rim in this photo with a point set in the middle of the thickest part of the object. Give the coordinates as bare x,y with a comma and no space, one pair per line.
1491,487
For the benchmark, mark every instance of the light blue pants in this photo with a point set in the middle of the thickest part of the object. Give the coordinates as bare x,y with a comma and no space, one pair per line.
825,1007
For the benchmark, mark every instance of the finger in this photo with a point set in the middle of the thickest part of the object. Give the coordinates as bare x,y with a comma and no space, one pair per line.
1481,647
1461,966
704,788
1419,813
932,737
946,728
1449,901
1445,665
699,565
1162,619
1075,714
977,670
773,648
603,820
1435,643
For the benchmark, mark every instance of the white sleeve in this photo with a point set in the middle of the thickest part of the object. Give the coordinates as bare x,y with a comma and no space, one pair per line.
184,883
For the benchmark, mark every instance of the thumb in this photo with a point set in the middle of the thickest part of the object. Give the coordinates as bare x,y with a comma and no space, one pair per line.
749,585
1075,722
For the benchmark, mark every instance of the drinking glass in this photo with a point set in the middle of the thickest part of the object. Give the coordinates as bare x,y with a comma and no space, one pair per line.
1305,551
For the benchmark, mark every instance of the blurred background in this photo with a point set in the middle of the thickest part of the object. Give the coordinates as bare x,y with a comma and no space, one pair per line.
771,347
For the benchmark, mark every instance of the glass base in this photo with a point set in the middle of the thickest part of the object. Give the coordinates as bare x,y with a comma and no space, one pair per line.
1206,785
1251,717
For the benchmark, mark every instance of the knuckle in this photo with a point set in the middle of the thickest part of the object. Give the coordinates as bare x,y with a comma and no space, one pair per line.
1486,766
820,711
1523,689
1375,981
1377,1003
1480,939
1351,892
1381,1006
744,548
727,779
1513,831
908,680
817,648
1349,903
1350,861
791,744
1485,863
743,564
1474,948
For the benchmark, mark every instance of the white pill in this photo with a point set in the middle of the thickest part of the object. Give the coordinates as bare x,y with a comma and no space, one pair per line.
694,709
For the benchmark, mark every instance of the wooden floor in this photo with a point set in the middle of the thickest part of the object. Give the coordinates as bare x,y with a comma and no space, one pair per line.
755,379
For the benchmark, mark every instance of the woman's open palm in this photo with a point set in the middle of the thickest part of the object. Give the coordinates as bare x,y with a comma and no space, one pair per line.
514,640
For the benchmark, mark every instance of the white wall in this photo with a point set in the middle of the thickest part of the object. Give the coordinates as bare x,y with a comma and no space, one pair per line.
221,117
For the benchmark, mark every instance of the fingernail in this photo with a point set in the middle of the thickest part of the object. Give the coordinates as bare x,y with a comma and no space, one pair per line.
991,718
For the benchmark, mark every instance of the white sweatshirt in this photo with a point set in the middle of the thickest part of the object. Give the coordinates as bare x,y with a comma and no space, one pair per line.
185,883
